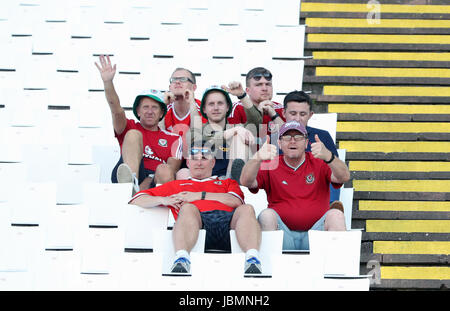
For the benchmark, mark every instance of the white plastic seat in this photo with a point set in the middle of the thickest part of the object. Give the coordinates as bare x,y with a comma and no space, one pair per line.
346,197
106,203
106,157
139,225
70,181
325,121
163,244
288,73
139,271
339,251
287,41
271,245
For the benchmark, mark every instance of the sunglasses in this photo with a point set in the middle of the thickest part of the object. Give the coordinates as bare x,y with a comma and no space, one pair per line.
206,153
287,138
181,79
258,76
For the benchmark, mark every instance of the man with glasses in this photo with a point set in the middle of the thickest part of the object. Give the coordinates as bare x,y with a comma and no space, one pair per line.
297,185
208,202
149,155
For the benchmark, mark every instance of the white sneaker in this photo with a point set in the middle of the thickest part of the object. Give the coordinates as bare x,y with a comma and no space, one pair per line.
125,175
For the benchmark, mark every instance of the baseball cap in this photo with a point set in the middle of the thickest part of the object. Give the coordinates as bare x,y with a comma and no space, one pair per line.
219,89
153,94
292,125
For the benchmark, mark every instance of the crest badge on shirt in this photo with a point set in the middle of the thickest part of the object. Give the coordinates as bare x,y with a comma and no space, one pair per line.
310,178
162,142
148,150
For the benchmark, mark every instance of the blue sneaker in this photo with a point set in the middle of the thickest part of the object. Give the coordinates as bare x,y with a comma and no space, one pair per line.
252,266
181,265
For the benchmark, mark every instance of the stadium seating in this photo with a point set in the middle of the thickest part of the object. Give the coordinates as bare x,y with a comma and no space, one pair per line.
63,225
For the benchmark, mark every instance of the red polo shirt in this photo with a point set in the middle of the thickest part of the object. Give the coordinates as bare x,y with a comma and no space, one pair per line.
300,197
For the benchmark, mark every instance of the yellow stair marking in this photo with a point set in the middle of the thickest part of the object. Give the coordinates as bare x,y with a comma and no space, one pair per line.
429,226
383,23
389,108
393,127
405,206
402,185
413,273
395,146
385,72
420,56
411,247
386,91
364,7
386,39
399,166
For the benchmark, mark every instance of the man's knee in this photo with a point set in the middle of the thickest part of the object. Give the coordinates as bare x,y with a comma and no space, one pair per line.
133,136
245,210
164,173
335,220
268,219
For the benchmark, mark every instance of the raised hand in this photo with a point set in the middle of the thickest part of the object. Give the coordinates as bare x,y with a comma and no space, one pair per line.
107,71
267,107
319,150
234,88
266,152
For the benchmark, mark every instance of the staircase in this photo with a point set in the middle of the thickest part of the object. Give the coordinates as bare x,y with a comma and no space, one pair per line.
385,69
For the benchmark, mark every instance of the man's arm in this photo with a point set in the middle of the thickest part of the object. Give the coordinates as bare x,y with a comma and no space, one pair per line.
107,72
254,116
148,201
225,198
339,170
251,168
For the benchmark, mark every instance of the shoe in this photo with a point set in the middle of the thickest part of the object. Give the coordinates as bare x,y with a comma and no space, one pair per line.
125,175
236,169
181,265
337,205
252,266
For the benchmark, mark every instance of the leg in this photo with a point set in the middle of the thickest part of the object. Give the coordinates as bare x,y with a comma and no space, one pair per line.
248,231
164,173
268,220
335,220
186,228
132,150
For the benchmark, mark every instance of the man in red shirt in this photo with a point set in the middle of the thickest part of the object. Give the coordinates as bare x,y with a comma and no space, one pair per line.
149,155
202,201
297,184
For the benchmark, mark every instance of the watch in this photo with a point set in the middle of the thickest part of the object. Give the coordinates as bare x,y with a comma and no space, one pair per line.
275,116
203,195
331,160
242,96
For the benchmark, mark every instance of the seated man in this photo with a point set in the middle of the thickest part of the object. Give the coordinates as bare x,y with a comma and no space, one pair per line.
232,142
149,155
205,201
297,184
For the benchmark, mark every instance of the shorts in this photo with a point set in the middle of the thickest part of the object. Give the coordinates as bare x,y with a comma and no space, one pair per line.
217,226
298,240
143,173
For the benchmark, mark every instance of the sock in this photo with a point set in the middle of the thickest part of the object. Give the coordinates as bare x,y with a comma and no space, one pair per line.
182,253
252,253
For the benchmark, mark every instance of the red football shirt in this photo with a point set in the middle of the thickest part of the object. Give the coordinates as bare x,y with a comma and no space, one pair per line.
158,145
237,115
179,125
211,184
300,197
267,120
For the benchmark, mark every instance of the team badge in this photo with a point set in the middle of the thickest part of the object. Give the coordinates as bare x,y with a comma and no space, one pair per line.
218,182
162,142
310,178
148,150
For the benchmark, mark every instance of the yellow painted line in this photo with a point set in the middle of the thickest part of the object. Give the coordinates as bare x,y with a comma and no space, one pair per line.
411,247
366,7
422,56
383,72
394,146
386,39
389,108
382,23
413,273
393,127
431,226
399,166
405,206
402,185
386,91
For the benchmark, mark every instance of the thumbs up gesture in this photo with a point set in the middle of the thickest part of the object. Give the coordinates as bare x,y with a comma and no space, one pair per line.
319,150
266,152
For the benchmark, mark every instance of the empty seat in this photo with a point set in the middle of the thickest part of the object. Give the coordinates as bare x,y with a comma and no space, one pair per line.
325,121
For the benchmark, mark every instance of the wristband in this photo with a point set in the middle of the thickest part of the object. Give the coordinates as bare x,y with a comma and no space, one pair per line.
203,195
276,115
331,160
242,96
